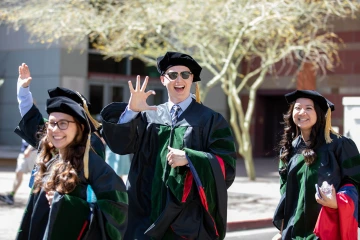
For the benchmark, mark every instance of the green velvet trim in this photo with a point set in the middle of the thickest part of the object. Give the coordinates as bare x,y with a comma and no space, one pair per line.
307,209
222,141
112,231
116,196
351,162
283,178
222,133
350,165
174,178
117,214
204,170
74,212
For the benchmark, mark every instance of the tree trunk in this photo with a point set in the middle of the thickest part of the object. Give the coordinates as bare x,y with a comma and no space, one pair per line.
248,159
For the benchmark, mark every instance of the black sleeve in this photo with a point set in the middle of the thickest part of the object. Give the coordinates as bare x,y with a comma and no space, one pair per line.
30,126
121,138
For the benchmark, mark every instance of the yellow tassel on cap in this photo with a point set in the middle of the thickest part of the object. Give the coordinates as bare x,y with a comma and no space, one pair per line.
93,121
197,92
86,157
96,124
328,127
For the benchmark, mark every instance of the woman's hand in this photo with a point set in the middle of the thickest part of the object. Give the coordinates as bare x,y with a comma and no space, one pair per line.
176,157
24,79
137,101
50,195
327,202
277,237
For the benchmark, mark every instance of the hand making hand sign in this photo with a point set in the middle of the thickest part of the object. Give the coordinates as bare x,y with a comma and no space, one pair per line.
137,101
24,76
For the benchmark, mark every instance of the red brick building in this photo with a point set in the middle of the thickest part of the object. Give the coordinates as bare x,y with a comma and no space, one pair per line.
343,81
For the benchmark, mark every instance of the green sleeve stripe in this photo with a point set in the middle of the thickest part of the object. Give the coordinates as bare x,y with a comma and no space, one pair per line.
79,210
203,168
222,133
113,232
116,196
351,162
114,211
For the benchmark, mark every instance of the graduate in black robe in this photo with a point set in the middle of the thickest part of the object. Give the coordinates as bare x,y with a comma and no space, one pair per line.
311,153
184,159
67,165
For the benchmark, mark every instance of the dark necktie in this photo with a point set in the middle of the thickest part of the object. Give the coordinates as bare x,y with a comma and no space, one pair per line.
174,114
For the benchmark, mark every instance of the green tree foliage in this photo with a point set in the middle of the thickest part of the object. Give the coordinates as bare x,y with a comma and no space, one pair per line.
223,35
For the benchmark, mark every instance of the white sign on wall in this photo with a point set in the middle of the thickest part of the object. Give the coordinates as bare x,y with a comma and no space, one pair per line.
352,119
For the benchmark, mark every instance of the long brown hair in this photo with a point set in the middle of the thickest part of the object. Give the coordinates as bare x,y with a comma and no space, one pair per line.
291,131
63,175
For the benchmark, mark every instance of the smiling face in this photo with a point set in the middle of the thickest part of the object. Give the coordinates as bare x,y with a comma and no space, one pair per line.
61,138
178,89
304,115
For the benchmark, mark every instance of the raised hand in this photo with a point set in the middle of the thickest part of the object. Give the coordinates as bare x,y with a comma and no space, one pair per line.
138,96
24,76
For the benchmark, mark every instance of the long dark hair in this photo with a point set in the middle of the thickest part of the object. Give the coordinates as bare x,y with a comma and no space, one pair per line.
63,175
291,131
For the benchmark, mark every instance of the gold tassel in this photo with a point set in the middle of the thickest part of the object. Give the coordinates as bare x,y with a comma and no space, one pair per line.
197,92
86,157
88,142
328,127
93,121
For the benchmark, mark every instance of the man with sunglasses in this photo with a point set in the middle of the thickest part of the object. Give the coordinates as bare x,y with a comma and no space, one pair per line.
184,157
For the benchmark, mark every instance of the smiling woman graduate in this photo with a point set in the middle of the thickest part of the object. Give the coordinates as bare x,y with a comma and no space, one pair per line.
67,164
184,157
311,153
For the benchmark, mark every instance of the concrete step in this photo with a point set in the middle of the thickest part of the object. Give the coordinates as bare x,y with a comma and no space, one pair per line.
9,152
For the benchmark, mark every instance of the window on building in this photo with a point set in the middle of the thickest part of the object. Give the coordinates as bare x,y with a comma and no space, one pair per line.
117,94
152,71
137,67
98,63
96,98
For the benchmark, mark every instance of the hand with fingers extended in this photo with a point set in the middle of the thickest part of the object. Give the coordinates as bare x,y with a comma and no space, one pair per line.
176,157
24,76
137,102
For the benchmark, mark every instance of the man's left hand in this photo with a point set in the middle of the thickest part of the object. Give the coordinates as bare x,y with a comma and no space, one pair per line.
176,157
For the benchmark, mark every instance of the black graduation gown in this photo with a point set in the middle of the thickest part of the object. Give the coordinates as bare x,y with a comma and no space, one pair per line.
185,202
337,163
70,215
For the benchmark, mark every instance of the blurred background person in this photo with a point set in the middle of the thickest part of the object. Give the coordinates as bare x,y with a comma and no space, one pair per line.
120,163
24,164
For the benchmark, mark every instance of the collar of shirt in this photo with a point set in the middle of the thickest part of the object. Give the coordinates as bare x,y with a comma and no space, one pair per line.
184,104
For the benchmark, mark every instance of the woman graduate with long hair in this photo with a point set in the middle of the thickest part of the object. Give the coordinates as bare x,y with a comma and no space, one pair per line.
67,164
311,152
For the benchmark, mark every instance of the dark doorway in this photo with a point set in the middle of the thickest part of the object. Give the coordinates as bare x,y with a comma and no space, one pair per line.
274,108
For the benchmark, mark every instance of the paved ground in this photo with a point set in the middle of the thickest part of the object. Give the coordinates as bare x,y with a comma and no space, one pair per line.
251,203
10,216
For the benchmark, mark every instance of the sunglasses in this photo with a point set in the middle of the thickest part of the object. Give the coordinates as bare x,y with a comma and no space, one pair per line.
174,75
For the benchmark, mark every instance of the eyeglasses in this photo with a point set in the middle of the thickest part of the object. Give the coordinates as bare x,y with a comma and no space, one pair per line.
174,75
62,124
